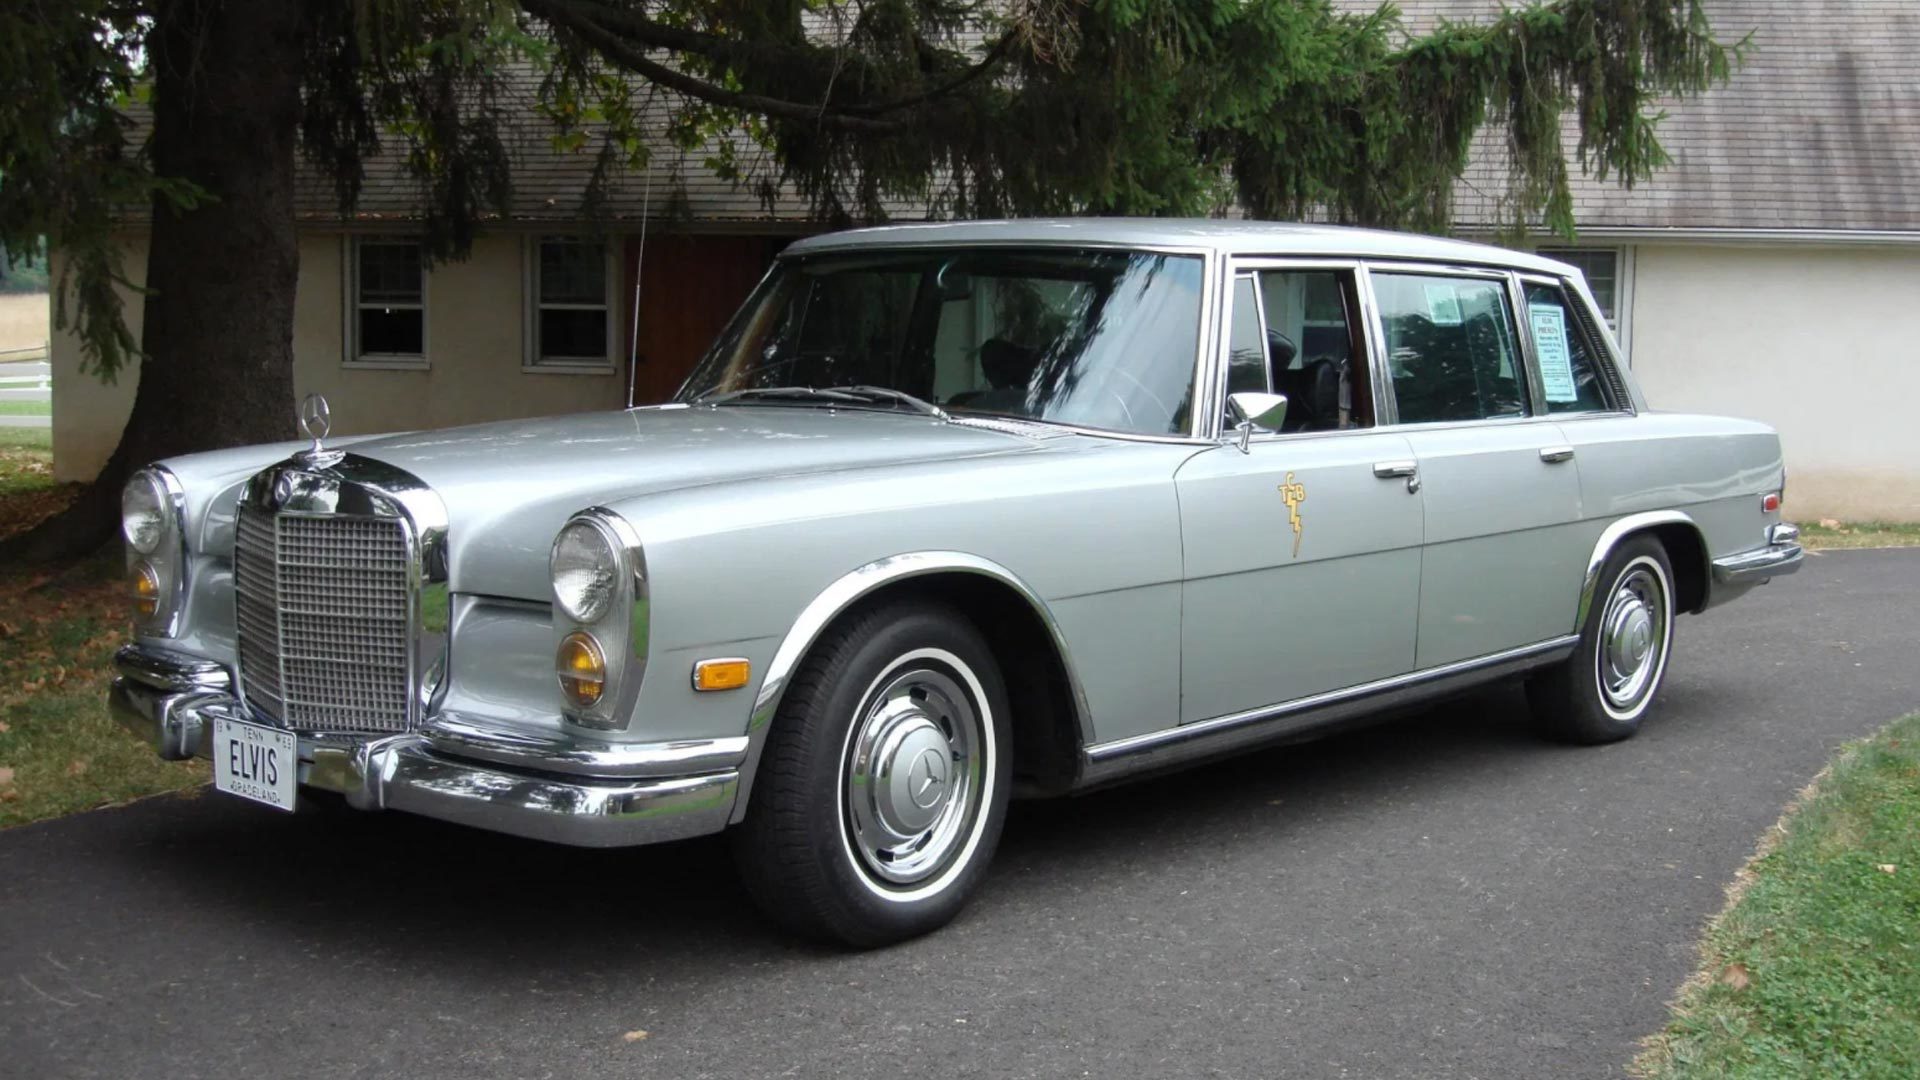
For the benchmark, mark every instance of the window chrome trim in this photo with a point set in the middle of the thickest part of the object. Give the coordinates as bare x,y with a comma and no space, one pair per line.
1211,262
1259,263
1383,376
843,593
1611,367
365,487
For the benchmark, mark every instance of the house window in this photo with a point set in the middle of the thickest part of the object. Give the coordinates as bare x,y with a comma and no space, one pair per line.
388,316
570,323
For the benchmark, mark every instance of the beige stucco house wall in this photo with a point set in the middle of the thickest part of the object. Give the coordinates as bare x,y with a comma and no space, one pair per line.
1821,341
476,312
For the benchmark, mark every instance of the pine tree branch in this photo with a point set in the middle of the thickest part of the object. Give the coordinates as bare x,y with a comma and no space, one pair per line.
617,49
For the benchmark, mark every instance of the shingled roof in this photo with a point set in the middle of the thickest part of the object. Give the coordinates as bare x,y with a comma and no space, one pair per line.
1820,130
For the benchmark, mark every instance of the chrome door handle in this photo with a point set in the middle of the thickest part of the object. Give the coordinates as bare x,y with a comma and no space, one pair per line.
1393,470
1553,455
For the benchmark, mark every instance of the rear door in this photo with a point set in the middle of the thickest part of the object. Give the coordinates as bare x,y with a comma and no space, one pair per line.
1302,551
1502,559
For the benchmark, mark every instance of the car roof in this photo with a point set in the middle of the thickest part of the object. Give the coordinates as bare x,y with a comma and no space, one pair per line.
1218,234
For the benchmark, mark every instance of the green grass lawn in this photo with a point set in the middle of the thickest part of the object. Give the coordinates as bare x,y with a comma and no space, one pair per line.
1830,534
26,408
1814,970
59,750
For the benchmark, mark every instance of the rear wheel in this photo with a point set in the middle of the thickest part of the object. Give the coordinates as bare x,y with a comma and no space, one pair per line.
1603,691
883,785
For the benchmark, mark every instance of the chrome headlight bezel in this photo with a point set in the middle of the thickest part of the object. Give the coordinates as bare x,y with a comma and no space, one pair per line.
160,546
618,626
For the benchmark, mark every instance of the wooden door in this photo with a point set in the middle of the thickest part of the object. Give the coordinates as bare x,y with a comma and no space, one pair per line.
689,287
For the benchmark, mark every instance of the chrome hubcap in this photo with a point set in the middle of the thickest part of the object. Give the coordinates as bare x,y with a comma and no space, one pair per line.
1632,632
912,776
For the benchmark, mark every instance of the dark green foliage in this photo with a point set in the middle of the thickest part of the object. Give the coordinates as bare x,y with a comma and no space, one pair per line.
1289,108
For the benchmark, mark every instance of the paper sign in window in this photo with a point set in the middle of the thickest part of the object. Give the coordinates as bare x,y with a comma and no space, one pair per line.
1443,305
1550,345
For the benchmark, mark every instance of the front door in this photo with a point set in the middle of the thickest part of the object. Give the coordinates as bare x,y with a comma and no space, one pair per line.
1302,552
1503,556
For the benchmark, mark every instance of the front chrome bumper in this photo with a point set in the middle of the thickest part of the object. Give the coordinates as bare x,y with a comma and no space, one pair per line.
561,789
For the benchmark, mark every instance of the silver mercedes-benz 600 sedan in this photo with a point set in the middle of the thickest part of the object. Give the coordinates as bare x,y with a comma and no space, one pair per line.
951,512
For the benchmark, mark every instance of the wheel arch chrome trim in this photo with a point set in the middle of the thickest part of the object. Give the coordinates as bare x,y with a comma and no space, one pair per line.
1612,536
833,601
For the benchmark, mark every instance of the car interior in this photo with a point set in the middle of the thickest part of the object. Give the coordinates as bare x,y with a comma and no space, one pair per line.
1309,348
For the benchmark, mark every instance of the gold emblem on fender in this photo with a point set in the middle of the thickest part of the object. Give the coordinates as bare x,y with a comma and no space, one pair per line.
1295,494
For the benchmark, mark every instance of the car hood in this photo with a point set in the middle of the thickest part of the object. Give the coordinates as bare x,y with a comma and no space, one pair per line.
509,486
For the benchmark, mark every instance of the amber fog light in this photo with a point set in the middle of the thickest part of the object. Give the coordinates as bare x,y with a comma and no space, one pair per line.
145,582
582,669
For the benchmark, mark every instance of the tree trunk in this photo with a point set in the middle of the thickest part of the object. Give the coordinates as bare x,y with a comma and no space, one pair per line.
218,327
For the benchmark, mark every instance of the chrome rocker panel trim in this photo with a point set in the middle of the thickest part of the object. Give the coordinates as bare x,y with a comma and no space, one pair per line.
1189,744
655,793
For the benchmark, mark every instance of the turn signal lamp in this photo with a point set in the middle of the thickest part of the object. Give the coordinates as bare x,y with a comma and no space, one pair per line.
582,669
729,673
146,589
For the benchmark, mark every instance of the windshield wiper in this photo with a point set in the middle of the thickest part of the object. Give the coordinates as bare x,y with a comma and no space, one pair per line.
887,393
839,395
790,393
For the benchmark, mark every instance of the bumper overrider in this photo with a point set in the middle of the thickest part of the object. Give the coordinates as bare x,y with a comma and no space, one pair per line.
548,787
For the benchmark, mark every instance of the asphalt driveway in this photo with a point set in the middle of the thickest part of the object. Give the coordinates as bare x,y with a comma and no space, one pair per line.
1440,896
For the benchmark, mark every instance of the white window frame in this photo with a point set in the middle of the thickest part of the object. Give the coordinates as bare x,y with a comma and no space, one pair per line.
531,362
1623,272
350,305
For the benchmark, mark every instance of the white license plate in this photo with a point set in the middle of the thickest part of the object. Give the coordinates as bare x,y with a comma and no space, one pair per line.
254,762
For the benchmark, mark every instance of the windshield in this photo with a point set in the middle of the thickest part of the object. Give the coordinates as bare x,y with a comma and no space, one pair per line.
1096,339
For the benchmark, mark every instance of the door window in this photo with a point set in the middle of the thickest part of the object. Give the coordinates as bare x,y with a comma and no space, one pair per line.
1568,363
1451,347
1292,334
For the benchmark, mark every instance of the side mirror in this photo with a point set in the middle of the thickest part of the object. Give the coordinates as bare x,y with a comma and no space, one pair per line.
1249,410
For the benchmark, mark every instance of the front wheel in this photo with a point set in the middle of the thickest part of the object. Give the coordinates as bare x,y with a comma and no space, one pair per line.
883,784
1602,692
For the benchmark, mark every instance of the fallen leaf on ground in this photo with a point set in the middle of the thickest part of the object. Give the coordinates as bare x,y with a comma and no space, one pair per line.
1734,976
1829,523
4,727
6,776
634,1036
77,767
1887,868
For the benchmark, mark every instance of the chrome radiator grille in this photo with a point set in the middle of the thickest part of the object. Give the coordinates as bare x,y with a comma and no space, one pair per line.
322,608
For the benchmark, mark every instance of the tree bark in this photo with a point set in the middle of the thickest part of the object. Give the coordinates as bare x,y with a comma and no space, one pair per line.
217,335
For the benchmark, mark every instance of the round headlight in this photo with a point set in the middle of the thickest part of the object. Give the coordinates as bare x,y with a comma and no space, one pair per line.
586,572
143,512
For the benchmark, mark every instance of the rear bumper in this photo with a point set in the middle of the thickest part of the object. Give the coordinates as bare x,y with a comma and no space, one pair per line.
567,791
1736,573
